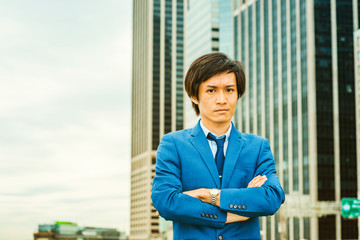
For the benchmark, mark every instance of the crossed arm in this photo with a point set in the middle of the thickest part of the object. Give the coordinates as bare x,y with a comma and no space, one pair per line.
190,206
203,194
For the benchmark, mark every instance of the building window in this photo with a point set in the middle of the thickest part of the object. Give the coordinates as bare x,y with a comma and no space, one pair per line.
306,228
348,88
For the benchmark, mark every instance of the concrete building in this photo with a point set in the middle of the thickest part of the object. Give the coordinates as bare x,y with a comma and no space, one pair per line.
299,60
157,99
201,37
71,231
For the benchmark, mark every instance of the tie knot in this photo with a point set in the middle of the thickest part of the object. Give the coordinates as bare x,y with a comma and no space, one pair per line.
219,141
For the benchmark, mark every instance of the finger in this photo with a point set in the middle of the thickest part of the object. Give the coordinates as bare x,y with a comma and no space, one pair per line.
263,178
260,179
257,181
253,180
260,183
257,177
251,184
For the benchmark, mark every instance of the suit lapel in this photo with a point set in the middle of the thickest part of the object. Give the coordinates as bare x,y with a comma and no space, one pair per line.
201,144
232,155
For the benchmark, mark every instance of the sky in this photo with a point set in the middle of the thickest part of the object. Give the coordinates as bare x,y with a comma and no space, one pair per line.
65,84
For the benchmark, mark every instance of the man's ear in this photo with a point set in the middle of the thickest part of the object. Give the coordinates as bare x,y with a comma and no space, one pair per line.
194,100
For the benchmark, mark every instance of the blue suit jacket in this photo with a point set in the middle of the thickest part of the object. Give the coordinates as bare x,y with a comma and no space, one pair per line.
185,162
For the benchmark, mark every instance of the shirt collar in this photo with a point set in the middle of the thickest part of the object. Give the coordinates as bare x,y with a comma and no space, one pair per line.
206,131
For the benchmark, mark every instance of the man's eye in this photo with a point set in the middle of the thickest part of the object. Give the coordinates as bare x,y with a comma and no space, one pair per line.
210,90
229,90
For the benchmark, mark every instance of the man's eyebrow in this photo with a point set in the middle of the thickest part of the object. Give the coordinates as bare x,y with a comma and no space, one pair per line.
212,86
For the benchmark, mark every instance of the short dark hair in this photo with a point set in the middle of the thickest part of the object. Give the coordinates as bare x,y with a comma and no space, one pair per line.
209,65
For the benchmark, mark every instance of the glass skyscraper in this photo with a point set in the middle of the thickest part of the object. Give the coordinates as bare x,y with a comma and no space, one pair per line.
157,99
357,100
226,28
201,37
299,60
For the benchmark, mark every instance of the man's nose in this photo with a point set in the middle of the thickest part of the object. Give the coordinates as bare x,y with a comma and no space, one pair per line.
221,97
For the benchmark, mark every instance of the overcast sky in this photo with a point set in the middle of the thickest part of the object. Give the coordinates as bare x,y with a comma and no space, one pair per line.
65,83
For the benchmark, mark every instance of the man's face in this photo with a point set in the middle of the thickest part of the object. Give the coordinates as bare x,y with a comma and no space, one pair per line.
217,99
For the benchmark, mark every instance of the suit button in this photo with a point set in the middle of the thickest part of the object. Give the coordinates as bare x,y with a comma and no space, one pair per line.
221,237
244,207
230,205
211,215
203,214
235,206
215,216
207,215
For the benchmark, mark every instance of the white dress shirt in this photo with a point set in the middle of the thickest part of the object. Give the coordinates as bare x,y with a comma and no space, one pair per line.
212,144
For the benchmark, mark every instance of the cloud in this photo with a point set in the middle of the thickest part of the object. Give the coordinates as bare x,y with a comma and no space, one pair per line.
65,114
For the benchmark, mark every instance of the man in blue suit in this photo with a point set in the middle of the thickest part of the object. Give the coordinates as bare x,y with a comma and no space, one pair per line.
213,181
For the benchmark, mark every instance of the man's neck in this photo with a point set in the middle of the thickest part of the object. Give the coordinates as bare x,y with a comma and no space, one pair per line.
217,128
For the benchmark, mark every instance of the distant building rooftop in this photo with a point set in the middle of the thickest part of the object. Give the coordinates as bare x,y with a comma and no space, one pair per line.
71,231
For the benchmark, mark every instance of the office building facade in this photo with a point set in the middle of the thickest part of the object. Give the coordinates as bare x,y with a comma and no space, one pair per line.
299,60
226,27
201,37
157,99
71,231
357,101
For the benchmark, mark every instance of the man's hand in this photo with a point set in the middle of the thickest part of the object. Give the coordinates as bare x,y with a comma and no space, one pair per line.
257,181
200,193
230,218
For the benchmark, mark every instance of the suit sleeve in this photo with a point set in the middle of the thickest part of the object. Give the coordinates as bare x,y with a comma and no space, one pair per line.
256,201
167,194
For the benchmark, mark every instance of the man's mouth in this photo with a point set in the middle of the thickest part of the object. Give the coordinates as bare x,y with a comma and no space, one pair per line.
222,110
